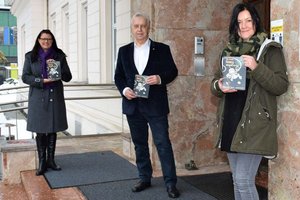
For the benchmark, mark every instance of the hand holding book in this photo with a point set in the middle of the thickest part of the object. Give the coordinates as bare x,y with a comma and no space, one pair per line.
224,89
249,61
48,80
142,84
141,87
153,80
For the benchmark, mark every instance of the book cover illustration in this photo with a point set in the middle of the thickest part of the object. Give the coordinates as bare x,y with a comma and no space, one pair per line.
234,72
141,88
53,69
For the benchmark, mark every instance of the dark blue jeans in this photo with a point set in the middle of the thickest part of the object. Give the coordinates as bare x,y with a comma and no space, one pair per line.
138,124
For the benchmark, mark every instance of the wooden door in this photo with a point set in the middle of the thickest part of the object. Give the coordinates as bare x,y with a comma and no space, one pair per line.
263,9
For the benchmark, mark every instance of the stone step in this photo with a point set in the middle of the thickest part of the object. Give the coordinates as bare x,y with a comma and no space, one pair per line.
37,188
12,192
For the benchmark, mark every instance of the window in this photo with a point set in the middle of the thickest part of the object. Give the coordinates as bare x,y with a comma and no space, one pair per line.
114,36
53,23
15,34
83,71
8,35
1,35
65,28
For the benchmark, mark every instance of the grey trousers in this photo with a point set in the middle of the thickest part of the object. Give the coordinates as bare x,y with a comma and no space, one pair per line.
244,168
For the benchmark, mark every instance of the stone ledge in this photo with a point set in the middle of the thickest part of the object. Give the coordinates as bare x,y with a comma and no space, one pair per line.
18,145
16,156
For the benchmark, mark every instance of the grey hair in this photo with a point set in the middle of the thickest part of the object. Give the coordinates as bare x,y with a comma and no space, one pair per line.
145,16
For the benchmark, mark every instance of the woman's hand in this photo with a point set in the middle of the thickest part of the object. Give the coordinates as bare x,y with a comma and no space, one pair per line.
249,61
225,90
47,80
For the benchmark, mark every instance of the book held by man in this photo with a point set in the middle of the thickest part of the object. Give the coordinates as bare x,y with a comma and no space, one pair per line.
234,72
141,88
53,69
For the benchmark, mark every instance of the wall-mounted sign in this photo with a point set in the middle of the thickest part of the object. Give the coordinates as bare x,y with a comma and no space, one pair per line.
277,31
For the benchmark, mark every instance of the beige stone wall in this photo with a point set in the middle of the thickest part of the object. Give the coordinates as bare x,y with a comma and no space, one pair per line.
284,173
193,108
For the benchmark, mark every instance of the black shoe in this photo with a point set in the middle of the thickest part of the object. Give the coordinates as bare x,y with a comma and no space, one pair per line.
40,171
140,186
51,164
172,191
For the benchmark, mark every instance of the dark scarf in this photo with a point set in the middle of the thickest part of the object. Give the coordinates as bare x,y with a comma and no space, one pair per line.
249,47
44,56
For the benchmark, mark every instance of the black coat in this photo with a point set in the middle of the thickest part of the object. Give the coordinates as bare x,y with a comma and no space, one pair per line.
160,63
46,106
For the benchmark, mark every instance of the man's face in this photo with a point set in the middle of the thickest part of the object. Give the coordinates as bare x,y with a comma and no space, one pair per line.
139,29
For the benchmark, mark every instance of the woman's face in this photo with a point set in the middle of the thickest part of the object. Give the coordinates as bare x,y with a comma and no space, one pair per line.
246,25
45,41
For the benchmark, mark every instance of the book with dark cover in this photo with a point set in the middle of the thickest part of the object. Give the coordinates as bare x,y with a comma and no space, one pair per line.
141,88
53,69
234,72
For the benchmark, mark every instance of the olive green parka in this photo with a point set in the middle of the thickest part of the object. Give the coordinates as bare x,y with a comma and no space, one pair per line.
256,131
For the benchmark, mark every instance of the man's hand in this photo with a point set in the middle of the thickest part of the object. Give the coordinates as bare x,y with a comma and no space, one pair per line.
153,80
129,94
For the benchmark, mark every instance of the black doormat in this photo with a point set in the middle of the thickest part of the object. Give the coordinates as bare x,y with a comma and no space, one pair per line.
121,190
219,185
90,168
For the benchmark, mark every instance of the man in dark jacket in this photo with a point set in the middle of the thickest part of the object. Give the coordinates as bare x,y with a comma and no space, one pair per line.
153,60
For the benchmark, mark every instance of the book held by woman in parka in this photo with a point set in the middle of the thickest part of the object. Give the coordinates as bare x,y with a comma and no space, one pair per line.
234,72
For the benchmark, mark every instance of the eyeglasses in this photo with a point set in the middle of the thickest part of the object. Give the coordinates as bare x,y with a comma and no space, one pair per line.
46,39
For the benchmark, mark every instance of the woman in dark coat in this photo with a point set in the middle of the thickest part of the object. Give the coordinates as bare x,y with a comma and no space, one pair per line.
46,104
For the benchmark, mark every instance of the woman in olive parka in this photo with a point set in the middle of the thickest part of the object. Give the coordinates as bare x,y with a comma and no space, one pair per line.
247,119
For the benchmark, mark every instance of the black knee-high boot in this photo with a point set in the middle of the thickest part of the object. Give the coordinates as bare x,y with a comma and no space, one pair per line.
41,143
51,151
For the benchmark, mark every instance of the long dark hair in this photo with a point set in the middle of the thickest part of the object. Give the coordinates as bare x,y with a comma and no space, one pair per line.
37,46
234,25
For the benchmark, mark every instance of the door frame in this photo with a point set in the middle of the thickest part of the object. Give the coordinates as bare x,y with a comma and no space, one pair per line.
265,17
